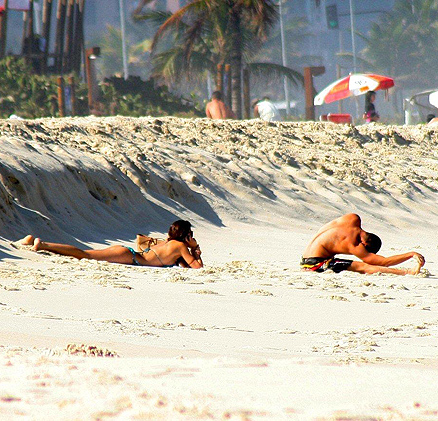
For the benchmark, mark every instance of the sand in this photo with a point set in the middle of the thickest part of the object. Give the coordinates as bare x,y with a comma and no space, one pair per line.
249,336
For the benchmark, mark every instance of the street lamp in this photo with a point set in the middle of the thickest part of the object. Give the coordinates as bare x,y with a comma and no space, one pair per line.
90,55
123,31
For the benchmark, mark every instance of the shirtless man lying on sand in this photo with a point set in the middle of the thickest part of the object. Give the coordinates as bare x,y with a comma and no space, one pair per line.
344,235
179,248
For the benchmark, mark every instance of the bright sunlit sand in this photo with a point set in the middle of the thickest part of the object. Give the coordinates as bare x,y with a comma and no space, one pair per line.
247,337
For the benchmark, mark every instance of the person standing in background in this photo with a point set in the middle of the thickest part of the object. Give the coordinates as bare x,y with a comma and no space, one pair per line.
266,110
370,113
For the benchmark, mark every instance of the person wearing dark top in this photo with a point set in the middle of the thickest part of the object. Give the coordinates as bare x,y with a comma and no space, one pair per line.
370,114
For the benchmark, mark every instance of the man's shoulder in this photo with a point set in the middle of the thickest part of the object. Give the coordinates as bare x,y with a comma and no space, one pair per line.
350,218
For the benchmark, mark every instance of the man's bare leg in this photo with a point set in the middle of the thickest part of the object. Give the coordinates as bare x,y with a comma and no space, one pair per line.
362,267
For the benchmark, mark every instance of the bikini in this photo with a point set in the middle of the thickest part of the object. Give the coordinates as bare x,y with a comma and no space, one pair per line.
134,256
135,261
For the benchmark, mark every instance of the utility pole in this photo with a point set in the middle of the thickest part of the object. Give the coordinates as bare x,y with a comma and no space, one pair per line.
353,47
353,42
284,58
123,30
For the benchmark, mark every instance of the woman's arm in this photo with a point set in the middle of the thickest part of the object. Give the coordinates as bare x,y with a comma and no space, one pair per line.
193,257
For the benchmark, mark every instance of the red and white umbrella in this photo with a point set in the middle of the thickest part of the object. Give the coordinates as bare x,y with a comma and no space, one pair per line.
353,85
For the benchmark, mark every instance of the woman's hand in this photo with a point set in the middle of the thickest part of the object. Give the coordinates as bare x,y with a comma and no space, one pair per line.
191,242
196,252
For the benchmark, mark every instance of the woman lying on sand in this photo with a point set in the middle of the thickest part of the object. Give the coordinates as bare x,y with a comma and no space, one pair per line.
179,248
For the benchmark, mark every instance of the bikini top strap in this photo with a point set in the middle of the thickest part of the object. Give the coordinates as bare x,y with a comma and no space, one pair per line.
158,257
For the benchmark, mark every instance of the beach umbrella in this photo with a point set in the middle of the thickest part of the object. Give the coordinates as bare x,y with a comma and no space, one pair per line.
353,85
433,99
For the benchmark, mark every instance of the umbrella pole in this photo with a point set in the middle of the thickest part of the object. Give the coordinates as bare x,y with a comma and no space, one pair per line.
338,76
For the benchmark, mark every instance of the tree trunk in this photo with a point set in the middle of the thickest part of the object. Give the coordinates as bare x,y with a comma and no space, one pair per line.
30,35
227,88
3,29
246,95
220,78
59,40
236,64
69,36
47,14
78,41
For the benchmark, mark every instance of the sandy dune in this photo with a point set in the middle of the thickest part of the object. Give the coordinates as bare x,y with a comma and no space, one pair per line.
247,337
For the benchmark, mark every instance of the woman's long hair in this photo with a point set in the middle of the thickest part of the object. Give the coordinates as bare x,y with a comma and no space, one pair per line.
179,230
368,96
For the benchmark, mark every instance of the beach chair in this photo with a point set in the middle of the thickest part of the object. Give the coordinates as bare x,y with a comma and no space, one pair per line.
340,118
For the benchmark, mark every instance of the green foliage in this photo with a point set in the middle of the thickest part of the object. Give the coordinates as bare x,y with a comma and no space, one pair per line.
23,93
404,43
30,95
135,97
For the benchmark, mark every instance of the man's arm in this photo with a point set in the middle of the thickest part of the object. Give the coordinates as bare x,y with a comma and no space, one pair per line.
256,111
377,260
207,111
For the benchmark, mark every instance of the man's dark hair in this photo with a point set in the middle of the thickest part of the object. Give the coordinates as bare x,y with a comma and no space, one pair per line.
179,230
216,95
373,243
430,117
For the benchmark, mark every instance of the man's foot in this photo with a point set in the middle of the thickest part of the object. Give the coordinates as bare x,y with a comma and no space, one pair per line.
416,269
37,244
26,241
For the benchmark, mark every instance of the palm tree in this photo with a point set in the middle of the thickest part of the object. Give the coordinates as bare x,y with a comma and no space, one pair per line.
404,43
111,58
206,33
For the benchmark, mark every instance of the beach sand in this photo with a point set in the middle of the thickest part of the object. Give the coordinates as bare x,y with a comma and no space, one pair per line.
249,336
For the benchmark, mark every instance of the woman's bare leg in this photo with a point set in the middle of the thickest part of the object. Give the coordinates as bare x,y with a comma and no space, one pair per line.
27,241
362,267
113,254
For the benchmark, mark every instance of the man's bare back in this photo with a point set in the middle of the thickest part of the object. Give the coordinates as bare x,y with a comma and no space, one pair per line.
216,109
345,235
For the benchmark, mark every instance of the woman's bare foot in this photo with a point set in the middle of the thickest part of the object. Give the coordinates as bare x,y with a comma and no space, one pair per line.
37,244
27,241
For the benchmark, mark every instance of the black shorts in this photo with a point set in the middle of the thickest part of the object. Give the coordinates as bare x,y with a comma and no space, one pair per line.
321,264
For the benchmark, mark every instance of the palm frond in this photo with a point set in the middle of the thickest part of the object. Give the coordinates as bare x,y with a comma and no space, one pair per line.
139,8
156,16
175,19
362,61
276,70
172,66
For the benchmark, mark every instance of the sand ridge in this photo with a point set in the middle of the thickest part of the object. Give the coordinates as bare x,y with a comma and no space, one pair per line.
124,168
